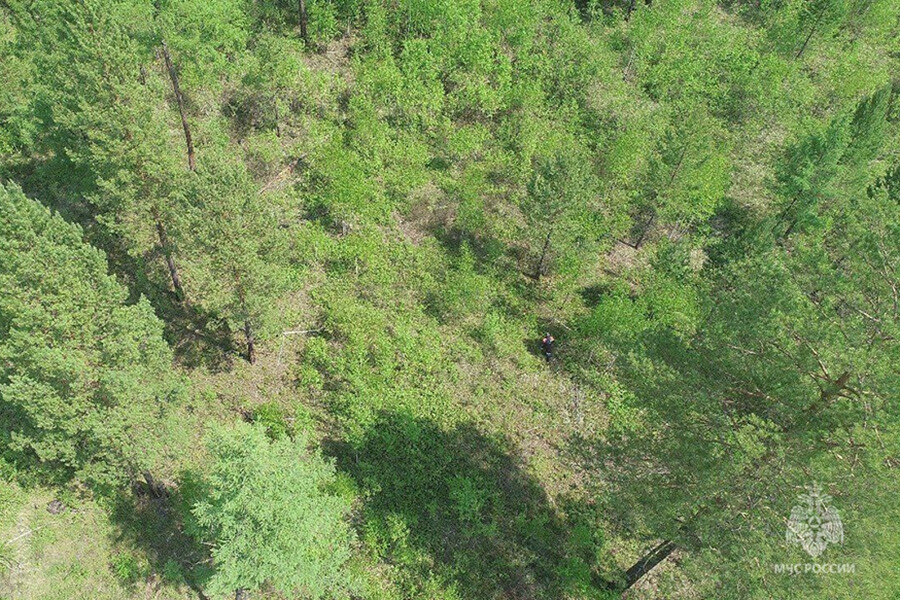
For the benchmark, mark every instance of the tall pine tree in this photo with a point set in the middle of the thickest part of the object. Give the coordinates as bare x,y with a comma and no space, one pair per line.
84,377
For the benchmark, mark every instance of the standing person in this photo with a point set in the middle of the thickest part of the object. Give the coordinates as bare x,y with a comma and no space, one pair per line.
547,346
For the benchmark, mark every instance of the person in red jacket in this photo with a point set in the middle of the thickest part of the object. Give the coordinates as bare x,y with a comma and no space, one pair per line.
547,346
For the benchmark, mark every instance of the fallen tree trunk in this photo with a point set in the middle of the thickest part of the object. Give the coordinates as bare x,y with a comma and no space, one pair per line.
647,562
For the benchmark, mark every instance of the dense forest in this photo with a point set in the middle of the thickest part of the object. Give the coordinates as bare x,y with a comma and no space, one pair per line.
278,281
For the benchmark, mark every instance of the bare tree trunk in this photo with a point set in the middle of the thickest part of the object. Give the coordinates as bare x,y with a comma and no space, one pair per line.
277,125
783,218
647,562
180,99
540,266
251,343
170,260
827,394
303,22
644,230
811,32
790,229
155,488
677,166
248,329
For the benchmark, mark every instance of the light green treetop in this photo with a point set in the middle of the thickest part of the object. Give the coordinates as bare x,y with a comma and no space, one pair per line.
270,517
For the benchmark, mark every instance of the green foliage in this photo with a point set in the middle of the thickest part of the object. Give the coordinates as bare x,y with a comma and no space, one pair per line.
799,22
469,499
447,506
271,418
270,518
235,255
561,208
771,380
85,376
203,36
126,567
697,197
172,571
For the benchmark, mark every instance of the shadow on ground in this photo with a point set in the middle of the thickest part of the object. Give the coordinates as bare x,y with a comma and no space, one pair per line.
148,519
457,508
198,337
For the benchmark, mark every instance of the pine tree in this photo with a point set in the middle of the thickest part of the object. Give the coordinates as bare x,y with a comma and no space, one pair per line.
688,176
99,99
84,376
788,378
562,210
237,250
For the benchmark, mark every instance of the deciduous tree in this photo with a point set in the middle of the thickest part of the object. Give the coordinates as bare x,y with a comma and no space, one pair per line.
270,517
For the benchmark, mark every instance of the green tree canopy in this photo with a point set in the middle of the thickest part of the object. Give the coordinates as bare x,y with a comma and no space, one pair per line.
84,375
271,518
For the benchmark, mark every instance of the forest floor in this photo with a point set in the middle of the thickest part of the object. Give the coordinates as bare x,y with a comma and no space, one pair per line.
517,446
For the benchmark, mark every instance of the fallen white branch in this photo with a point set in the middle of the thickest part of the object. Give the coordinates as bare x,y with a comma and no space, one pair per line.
288,332
21,535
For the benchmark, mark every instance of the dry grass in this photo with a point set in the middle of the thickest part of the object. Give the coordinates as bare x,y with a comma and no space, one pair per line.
69,556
